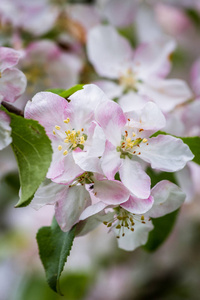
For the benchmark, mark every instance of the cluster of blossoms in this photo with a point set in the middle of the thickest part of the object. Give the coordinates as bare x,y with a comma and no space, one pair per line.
100,153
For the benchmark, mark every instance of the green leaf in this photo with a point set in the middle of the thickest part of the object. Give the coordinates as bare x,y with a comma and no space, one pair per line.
67,93
157,176
162,228
33,152
54,247
193,143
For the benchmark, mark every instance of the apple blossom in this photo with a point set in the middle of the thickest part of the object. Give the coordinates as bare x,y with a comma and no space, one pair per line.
131,229
142,71
77,140
129,140
12,80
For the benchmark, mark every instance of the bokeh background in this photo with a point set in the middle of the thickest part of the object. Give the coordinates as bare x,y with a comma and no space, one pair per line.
52,36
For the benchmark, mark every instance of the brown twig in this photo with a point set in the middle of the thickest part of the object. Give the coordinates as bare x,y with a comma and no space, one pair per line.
13,109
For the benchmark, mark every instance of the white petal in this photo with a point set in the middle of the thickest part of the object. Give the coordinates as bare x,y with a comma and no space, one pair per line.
5,130
167,198
70,207
136,238
166,153
134,178
109,52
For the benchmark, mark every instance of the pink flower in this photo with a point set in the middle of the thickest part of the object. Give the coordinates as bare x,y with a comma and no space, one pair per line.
12,80
77,140
132,229
129,141
141,71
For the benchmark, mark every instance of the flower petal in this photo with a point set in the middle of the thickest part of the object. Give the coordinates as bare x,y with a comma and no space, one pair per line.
111,191
110,161
109,52
5,130
166,93
167,198
134,239
71,205
166,153
138,206
8,58
134,178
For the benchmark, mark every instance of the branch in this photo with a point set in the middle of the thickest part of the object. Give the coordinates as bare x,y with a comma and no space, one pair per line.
13,109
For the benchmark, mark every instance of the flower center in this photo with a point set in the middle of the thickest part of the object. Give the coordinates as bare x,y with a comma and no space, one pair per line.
85,178
129,81
124,219
71,138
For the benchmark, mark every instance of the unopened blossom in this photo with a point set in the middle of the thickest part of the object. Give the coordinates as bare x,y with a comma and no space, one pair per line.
132,229
129,141
77,139
142,71
12,80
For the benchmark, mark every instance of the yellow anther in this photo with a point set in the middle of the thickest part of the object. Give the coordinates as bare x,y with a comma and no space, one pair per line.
67,121
142,218
66,141
133,134
128,140
65,152
78,132
59,147
57,127
82,129
54,132
74,145
73,132
144,140
68,131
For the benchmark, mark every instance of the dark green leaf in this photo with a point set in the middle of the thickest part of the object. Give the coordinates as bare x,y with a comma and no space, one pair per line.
33,152
54,248
67,93
162,228
157,176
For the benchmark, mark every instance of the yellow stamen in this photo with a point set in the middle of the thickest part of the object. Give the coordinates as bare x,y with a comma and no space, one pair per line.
66,141
128,140
67,121
54,132
57,127
133,134
59,147
65,152
144,140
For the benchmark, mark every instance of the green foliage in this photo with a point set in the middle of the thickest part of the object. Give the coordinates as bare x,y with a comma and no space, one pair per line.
194,16
54,248
33,152
157,176
162,228
67,93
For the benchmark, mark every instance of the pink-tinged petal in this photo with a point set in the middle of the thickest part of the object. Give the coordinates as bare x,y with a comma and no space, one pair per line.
49,110
69,172
195,77
191,118
8,58
88,159
166,93
167,198
153,59
149,117
5,130
48,193
138,206
110,161
109,52
134,178
185,181
111,192
12,84
71,205
111,118
92,222
134,239
92,210
120,13
110,88
84,103
132,101
166,153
